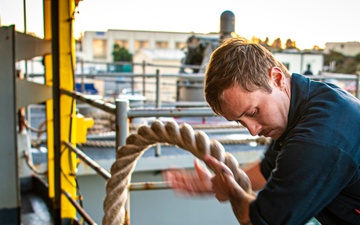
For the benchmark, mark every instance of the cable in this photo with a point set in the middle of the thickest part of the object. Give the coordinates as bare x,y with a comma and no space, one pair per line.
31,165
66,177
33,129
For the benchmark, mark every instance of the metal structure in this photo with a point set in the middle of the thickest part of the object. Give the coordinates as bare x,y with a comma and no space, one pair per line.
197,56
58,49
199,49
15,93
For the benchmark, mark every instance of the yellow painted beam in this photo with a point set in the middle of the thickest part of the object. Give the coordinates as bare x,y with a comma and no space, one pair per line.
49,103
67,105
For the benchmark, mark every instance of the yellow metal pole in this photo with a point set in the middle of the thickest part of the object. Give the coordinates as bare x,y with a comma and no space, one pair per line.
49,103
67,105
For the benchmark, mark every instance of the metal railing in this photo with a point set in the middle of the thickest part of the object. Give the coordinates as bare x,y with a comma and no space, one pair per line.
122,111
106,175
80,210
198,77
130,77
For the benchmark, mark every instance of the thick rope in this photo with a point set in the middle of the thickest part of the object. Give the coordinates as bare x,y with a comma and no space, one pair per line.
183,136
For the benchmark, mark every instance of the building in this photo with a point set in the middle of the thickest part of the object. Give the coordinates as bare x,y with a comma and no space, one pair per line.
163,47
160,49
346,48
164,51
98,46
299,62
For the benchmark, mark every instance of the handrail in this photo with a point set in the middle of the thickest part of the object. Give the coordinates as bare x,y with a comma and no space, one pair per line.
106,175
107,107
101,171
122,112
81,211
146,112
192,76
171,112
141,64
139,186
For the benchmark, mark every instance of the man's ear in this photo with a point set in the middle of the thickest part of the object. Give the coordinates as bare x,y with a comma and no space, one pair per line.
277,76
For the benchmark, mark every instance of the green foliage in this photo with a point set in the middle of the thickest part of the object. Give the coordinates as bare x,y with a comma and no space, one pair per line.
343,64
357,57
121,54
333,56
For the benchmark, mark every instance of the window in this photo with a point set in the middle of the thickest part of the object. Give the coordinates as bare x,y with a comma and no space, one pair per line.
161,44
122,43
287,65
141,44
99,48
180,45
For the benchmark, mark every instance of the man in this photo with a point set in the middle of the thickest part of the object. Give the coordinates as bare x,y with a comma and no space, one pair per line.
312,168
308,70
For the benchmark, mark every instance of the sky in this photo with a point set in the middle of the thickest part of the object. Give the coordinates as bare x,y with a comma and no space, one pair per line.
308,22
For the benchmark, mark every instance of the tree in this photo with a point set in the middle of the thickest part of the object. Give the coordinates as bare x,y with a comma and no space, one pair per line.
290,44
343,64
266,42
316,48
276,45
121,54
255,40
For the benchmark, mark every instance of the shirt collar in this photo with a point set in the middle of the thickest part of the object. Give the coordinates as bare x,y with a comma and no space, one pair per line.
300,86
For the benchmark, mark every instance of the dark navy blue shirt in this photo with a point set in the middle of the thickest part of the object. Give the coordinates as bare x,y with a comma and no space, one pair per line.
313,169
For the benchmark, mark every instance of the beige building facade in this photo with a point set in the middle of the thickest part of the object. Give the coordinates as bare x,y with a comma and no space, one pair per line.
164,51
98,45
345,48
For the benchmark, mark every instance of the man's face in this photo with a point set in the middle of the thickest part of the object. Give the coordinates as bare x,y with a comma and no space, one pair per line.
261,112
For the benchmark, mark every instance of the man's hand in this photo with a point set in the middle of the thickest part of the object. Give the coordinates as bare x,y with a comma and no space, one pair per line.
201,182
226,188
194,183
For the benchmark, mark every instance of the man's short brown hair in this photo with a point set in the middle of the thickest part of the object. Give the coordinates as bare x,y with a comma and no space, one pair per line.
237,62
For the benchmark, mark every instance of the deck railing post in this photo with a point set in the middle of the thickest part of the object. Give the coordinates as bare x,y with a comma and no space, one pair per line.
143,78
158,105
122,121
357,86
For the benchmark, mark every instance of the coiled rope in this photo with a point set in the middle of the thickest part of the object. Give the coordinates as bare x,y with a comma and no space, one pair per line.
183,136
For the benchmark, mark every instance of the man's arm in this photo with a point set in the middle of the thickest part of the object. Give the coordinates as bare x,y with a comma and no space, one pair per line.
198,182
253,171
226,188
